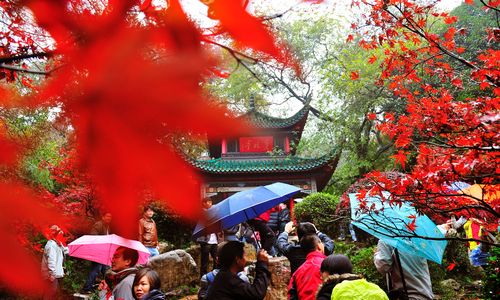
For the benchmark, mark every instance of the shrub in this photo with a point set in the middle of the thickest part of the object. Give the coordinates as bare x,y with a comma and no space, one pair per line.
362,262
492,281
319,209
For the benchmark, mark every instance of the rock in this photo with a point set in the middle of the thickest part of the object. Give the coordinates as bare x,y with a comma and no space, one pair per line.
175,268
477,285
250,252
450,284
165,247
280,277
194,251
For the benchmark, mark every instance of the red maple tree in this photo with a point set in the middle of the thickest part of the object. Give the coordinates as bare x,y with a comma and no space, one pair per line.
125,73
450,130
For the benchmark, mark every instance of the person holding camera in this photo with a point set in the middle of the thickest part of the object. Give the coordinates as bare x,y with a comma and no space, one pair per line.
293,251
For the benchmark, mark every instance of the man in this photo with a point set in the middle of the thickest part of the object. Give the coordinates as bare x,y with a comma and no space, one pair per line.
267,236
101,227
207,279
148,235
119,282
306,280
52,261
294,252
227,284
208,244
415,272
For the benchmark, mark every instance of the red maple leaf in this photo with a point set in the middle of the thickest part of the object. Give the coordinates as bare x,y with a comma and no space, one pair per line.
354,75
411,226
451,266
400,158
372,59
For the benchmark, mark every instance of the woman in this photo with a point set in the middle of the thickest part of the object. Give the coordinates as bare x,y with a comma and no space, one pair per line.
334,269
340,284
146,285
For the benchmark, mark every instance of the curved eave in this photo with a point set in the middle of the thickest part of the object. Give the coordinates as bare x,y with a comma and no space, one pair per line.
251,166
263,121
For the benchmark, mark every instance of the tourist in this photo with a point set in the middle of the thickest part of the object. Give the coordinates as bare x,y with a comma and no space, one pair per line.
293,251
414,281
339,282
119,281
207,279
52,261
146,285
208,244
148,234
266,234
306,280
231,234
227,284
101,227
278,218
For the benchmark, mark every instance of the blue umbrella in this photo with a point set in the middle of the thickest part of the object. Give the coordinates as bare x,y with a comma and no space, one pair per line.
242,206
390,224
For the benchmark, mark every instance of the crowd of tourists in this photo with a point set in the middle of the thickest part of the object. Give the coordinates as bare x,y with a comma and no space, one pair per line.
123,280
316,273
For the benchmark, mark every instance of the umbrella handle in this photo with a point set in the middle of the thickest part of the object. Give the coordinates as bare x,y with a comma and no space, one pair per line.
255,238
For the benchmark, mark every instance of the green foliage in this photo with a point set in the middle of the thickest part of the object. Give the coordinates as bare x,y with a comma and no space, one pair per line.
363,264
491,288
32,164
76,271
172,228
319,209
348,249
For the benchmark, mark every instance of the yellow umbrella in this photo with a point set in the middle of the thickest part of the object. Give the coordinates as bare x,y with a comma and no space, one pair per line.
487,192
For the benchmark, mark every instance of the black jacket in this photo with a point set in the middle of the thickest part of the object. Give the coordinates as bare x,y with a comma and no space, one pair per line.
227,285
294,252
154,295
325,290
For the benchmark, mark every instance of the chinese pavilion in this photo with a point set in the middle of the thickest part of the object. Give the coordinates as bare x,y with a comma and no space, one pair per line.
266,157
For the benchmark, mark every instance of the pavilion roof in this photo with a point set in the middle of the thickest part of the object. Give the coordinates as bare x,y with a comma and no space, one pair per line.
261,120
262,165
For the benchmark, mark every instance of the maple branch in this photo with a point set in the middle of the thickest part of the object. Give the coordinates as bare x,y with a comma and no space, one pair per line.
411,236
18,69
489,6
237,55
276,16
450,145
11,59
412,26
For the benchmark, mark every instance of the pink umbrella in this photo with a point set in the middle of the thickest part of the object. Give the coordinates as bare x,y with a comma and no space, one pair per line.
100,248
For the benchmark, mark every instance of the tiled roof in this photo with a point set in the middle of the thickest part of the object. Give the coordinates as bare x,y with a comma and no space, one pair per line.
261,165
261,120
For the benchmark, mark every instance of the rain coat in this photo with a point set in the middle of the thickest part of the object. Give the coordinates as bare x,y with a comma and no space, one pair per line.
358,289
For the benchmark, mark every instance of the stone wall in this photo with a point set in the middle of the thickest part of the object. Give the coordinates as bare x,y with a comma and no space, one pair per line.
280,277
175,268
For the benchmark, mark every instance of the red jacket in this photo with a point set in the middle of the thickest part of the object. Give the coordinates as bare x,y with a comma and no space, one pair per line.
306,280
265,216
